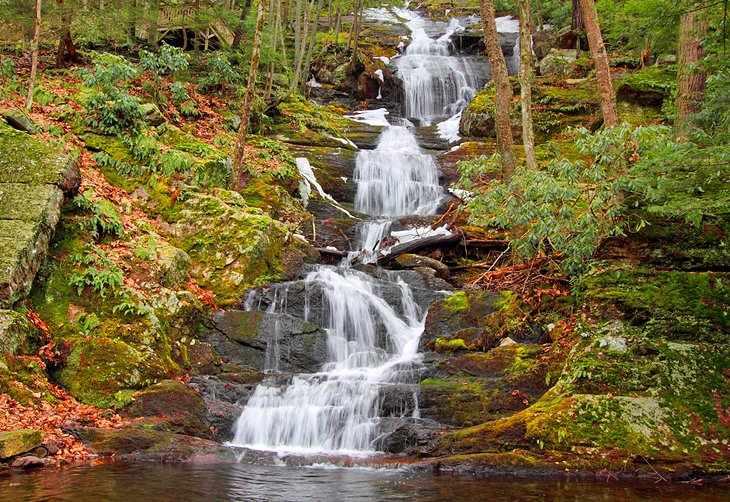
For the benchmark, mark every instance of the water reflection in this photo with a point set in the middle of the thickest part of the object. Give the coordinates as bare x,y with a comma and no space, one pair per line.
119,482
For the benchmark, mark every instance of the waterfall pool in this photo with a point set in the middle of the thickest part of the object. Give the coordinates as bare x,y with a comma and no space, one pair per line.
140,482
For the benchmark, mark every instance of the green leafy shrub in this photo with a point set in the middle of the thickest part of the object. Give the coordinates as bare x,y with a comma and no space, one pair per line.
7,68
112,110
570,206
169,60
97,271
103,218
218,74
179,93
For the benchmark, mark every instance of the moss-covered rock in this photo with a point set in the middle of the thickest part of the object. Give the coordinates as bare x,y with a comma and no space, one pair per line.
33,180
472,388
104,371
169,405
139,445
16,332
648,86
20,441
233,246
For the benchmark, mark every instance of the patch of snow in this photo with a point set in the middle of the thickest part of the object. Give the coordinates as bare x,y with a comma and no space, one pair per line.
344,141
379,74
313,82
464,195
449,129
384,59
305,169
371,117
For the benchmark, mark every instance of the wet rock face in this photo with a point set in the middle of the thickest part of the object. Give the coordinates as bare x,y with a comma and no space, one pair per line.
17,442
266,340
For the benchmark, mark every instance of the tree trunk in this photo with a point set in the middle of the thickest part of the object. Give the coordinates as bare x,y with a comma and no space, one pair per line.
338,26
238,34
600,59
503,89
528,134
154,14
356,45
66,49
300,44
312,39
576,23
34,55
237,178
690,80
538,8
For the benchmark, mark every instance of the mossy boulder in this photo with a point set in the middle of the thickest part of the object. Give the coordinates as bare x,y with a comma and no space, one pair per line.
169,405
16,332
20,120
233,246
17,442
105,371
648,86
479,318
472,388
169,265
562,63
671,305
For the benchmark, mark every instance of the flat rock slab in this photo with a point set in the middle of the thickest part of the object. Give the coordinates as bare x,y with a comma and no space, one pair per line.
20,441
34,181
139,445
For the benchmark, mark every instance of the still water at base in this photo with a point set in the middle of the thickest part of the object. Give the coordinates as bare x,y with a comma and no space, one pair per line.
137,482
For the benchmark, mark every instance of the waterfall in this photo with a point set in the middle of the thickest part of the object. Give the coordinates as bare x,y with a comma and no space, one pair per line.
396,178
437,84
336,409
371,343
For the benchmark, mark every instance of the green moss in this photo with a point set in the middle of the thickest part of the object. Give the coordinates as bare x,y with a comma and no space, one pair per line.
668,304
659,80
456,302
97,369
453,345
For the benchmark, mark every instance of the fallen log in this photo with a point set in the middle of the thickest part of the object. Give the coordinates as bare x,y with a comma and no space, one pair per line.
332,252
418,244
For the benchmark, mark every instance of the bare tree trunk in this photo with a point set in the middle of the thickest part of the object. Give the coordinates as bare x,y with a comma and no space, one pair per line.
34,56
154,8
528,134
66,48
538,7
237,178
356,45
576,23
600,59
338,26
503,89
690,81
312,39
238,34
300,47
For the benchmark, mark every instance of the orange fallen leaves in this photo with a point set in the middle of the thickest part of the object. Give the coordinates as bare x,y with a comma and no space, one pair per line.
51,418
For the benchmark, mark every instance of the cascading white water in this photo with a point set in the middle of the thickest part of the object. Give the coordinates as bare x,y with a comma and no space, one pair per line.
337,408
437,84
370,342
397,178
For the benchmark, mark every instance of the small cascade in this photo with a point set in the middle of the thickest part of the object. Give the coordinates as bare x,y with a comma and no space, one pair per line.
369,345
396,178
437,84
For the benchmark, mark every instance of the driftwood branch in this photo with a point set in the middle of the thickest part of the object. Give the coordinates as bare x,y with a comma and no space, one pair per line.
418,244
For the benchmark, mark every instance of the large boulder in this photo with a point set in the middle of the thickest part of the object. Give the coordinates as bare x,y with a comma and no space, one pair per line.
34,180
170,405
139,445
232,245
